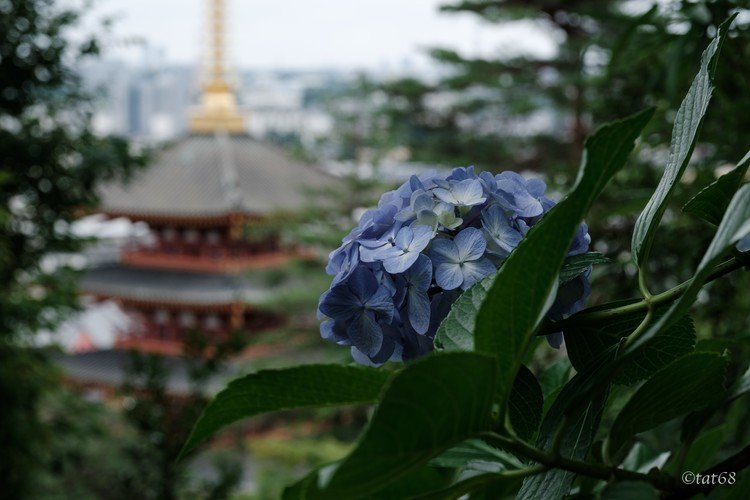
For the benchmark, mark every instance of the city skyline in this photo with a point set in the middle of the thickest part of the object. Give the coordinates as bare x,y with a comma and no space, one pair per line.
366,35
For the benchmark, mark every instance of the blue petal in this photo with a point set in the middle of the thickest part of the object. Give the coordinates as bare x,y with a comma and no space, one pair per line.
334,331
365,334
470,243
421,238
476,271
418,304
448,276
444,251
404,237
339,303
400,263
381,302
419,276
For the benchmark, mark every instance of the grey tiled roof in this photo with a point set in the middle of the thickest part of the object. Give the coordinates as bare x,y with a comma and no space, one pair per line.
171,286
213,175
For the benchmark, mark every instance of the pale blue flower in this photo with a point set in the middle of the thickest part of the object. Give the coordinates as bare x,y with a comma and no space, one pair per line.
465,193
460,262
501,236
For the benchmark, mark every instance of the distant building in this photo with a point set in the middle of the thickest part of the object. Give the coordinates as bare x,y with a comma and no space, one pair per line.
203,199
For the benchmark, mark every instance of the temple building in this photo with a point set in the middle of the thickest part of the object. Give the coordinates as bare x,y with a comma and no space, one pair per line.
209,201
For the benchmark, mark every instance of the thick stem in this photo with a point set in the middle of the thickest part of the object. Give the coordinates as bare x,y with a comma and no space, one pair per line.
599,314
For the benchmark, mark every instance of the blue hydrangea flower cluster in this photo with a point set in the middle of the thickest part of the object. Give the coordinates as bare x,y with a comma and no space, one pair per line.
397,273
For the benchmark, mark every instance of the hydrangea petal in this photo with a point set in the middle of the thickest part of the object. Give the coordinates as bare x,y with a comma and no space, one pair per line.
470,244
475,271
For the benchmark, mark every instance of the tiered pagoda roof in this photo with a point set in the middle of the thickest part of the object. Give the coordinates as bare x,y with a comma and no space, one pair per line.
212,176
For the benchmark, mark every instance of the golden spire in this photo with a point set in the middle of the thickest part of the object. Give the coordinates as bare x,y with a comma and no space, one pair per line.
218,110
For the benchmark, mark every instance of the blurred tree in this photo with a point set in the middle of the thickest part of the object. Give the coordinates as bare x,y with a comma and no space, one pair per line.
50,161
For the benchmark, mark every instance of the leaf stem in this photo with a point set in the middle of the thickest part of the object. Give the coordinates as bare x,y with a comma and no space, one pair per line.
660,480
601,313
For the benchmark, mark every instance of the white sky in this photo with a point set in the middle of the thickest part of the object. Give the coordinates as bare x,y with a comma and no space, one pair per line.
312,33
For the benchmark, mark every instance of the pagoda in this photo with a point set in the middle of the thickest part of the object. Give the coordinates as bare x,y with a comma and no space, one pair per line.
208,201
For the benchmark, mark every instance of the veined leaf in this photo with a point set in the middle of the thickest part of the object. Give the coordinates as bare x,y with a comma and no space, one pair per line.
456,332
712,201
476,451
584,420
525,404
687,123
308,386
734,226
526,283
428,407
694,381
578,264
585,341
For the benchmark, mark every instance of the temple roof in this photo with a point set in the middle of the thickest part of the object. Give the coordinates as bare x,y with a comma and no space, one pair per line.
167,286
213,175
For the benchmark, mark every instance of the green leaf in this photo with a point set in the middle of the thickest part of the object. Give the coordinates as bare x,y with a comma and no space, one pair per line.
579,264
555,376
428,407
712,201
694,381
687,123
585,341
307,386
704,449
456,332
628,490
412,485
576,439
734,226
525,404
500,486
526,283
476,451
694,422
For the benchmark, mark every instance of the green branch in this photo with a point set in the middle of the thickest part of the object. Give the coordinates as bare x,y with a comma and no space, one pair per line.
660,480
601,313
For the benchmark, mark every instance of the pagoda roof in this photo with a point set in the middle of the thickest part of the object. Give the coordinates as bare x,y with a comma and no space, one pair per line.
214,175
170,286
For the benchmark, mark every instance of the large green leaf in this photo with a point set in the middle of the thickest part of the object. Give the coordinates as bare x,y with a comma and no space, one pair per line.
585,341
689,383
525,404
694,422
526,283
456,332
734,226
274,390
412,485
629,490
687,123
712,201
577,438
428,407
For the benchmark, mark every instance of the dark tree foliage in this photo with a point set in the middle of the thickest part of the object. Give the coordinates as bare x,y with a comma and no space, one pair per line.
50,161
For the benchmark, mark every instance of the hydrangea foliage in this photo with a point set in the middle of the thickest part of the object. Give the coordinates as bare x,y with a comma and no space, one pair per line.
397,273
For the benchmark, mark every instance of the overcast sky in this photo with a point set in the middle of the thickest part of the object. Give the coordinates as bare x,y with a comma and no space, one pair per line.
313,33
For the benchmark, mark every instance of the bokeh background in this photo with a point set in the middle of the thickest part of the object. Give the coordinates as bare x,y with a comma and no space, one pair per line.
362,94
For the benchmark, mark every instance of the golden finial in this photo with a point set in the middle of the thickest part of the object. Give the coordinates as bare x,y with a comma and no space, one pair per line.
218,110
